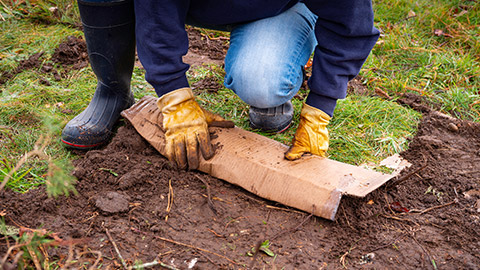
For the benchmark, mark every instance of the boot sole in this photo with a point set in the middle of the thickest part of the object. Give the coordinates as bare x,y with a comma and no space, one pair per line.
80,146
280,130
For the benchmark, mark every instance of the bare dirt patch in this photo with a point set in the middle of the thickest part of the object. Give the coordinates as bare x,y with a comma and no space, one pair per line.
440,193
203,44
70,54
128,194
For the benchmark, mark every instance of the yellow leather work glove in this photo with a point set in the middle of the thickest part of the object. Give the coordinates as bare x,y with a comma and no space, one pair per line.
311,135
186,128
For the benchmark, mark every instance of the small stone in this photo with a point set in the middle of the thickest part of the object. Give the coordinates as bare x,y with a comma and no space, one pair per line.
112,202
452,127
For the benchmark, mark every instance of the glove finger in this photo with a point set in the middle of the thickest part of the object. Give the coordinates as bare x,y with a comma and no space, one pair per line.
215,120
180,153
295,152
170,150
206,147
222,124
192,151
211,117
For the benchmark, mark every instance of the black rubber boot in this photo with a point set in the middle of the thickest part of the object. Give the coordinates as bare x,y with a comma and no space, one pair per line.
276,119
109,30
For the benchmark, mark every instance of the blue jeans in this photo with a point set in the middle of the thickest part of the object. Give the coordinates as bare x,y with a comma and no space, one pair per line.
264,62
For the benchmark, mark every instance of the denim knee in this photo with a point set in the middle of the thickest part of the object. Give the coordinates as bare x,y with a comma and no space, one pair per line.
264,85
263,63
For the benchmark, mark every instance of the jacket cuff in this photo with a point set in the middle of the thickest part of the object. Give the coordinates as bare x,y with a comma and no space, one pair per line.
177,83
326,104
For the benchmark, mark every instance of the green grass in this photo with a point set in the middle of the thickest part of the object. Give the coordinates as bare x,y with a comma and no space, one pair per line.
409,57
369,129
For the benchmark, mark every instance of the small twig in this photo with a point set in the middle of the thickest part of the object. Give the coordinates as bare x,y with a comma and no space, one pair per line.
116,249
34,257
433,207
209,194
388,244
210,260
214,38
344,256
150,264
169,199
215,233
346,218
405,177
283,209
426,252
256,249
185,245
46,263
388,203
99,254
69,257
17,258
275,236
294,229
5,257
399,219
219,38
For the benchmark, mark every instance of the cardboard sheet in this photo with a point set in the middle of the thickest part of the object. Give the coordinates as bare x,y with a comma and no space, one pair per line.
255,163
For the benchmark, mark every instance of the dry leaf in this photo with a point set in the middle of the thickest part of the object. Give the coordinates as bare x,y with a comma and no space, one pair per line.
438,32
382,93
309,63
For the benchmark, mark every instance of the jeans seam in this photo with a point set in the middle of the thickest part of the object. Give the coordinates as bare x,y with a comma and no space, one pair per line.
292,71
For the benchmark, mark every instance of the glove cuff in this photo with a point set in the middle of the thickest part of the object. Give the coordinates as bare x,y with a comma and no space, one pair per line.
312,112
174,98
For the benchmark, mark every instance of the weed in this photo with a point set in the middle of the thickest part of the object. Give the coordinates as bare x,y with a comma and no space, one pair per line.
435,192
264,247
15,176
29,247
110,171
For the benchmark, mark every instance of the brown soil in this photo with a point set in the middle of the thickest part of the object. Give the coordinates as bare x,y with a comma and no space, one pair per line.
205,44
70,54
204,51
209,84
428,218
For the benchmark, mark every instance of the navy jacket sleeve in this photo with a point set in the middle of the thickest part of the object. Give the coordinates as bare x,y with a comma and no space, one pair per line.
162,41
345,36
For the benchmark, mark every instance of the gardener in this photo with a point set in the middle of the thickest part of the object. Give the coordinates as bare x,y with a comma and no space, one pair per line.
270,42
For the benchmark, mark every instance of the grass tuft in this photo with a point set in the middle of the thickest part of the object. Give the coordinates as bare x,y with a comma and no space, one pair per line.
368,129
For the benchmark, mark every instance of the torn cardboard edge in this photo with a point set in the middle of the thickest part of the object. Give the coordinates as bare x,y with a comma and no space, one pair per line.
256,163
